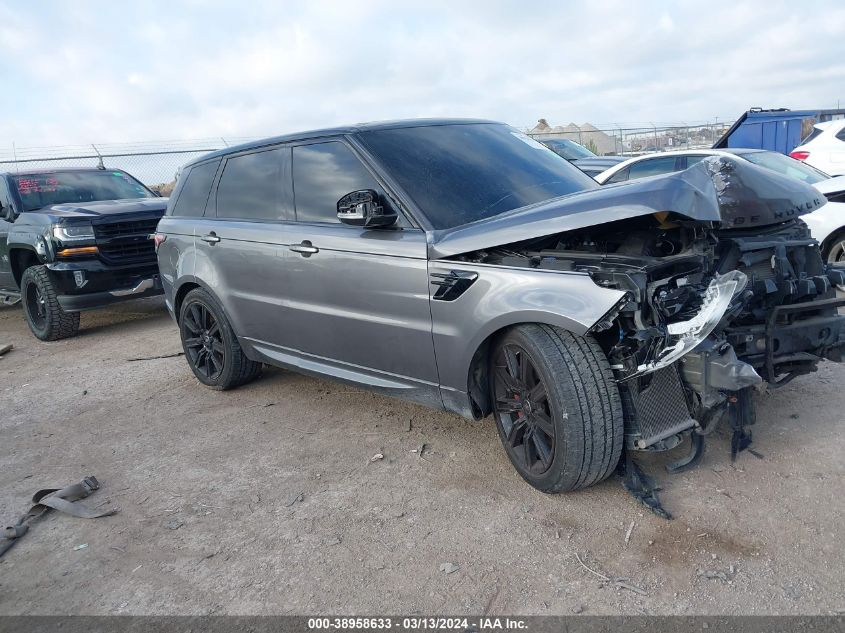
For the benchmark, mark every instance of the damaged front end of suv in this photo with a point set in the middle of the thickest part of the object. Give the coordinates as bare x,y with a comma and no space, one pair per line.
725,290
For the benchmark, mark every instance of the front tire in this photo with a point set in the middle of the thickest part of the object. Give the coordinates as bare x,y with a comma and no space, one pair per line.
557,407
836,253
41,308
210,344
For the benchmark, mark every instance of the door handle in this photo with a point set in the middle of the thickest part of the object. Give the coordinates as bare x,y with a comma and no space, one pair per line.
211,238
306,249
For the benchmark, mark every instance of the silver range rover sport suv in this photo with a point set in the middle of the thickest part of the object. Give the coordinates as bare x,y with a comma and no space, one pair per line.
462,265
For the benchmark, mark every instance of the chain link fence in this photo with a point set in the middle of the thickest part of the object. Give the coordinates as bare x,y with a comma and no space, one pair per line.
154,163
157,163
607,140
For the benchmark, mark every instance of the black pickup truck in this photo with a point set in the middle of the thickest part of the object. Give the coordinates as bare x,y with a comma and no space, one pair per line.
75,239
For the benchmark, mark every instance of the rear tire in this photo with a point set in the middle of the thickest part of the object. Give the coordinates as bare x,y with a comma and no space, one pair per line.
210,344
41,308
557,407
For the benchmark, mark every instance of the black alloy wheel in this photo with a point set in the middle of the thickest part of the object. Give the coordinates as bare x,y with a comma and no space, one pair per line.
522,409
211,345
203,340
36,306
557,407
42,310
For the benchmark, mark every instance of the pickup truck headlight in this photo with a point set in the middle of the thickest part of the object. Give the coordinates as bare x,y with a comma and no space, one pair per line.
684,336
74,232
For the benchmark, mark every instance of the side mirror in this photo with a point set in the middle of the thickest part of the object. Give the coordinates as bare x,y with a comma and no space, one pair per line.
7,212
363,208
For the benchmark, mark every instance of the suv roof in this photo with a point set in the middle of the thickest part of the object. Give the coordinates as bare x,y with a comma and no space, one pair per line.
335,131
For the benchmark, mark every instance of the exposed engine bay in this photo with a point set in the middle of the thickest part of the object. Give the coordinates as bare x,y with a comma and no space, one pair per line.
711,310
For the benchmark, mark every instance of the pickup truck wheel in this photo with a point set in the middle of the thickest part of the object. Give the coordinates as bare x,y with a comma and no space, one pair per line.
41,308
557,408
210,344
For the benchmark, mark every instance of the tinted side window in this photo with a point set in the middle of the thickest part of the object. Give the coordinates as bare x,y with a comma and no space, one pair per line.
322,174
652,167
816,131
692,160
253,186
619,176
841,134
195,190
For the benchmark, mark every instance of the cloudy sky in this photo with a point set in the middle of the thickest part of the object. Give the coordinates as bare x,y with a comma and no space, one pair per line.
81,72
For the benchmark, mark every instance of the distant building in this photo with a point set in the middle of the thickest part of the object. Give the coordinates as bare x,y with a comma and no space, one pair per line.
586,134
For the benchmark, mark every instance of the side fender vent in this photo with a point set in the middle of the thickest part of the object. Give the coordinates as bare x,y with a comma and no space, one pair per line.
453,284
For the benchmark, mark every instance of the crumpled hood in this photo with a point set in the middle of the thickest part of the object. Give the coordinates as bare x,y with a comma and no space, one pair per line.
732,192
105,208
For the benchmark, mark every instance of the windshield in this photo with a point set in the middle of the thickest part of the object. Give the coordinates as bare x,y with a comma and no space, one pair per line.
570,150
58,187
461,173
786,166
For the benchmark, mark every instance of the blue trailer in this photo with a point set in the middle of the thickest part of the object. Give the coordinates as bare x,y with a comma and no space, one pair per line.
778,130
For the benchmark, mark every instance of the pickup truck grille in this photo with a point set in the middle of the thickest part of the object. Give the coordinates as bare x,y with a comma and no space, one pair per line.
127,242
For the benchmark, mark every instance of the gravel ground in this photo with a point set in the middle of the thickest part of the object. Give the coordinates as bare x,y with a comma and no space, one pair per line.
265,500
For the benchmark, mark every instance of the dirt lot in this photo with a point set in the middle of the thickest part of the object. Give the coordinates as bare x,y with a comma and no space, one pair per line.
210,520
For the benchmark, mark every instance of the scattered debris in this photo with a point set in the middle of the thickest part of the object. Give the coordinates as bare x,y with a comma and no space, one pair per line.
335,540
577,609
119,549
137,568
449,568
628,533
8,347
592,571
376,457
132,360
294,498
76,548
622,583
619,583
174,524
713,574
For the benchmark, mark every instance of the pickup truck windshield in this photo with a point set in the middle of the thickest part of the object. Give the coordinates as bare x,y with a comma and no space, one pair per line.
460,173
59,187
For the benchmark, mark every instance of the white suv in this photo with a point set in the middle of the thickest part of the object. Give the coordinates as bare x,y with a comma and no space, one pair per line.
824,148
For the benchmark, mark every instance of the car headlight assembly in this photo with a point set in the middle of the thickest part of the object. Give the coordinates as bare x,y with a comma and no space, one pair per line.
74,233
684,336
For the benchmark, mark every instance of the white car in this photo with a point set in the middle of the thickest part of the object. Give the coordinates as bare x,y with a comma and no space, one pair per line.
826,224
824,148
